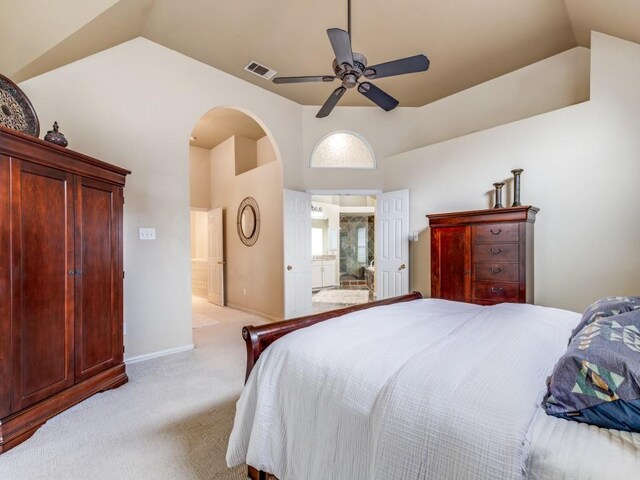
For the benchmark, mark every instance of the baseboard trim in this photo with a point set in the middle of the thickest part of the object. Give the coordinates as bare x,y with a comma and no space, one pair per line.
161,353
254,312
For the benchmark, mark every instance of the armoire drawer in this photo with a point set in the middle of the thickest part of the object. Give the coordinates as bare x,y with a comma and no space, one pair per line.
497,291
496,272
496,252
497,233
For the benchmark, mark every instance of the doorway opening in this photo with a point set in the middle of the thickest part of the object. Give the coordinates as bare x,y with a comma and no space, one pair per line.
342,251
232,158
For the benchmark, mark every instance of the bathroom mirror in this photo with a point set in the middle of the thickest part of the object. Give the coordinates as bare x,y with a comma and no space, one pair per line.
248,221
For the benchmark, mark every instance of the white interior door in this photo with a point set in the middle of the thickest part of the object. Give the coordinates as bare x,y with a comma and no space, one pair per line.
297,253
392,244
215,258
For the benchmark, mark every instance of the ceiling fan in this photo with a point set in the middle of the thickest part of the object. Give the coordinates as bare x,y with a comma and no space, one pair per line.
351,69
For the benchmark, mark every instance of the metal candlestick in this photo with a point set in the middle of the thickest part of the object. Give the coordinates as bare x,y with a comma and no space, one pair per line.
516,187
498,186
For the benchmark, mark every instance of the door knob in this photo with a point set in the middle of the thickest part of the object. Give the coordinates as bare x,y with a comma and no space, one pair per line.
221,263
402,267
289,267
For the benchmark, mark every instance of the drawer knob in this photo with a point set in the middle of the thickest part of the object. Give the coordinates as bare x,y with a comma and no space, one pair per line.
496,233
496,251
496,270
496,290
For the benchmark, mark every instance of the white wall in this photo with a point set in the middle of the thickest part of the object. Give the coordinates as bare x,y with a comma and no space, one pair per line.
135,105
581,167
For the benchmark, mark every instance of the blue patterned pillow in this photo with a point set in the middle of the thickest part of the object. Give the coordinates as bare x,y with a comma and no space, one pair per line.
597,381
606,307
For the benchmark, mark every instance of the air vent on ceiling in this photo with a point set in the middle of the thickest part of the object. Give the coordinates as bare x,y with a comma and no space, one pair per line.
260,70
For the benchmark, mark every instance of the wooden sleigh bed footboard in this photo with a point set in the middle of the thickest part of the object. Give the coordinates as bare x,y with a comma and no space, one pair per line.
257,339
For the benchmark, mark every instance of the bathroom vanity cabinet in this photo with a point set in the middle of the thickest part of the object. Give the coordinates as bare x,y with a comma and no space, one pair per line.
323,271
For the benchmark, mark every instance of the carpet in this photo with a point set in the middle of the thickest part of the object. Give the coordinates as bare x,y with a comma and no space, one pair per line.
203,313
170,422
350,297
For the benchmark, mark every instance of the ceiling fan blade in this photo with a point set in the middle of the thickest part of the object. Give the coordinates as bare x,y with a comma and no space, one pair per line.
331,102
417,63
341,44
378,96
320,78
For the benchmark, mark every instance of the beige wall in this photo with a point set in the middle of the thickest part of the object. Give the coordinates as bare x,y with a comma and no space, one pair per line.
135,105
553,83
246,154
199,181
386,132
581,168
265,151
52,25
253,275
199,234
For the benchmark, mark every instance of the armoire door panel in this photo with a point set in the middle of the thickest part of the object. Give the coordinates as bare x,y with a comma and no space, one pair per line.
42,286
97,309
5,286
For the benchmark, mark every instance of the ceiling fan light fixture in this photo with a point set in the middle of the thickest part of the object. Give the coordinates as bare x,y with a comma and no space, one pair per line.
350,80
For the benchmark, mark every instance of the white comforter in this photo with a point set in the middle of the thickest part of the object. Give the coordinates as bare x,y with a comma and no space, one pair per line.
428,389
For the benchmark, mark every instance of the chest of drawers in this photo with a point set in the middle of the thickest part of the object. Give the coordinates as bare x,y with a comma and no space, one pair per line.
483,256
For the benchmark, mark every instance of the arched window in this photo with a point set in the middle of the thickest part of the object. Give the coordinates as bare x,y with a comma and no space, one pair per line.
342,150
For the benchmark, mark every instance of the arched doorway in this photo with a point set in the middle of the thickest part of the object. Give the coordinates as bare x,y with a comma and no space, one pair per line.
232,159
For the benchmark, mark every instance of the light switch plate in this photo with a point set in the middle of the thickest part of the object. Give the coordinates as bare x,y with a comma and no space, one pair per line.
147,233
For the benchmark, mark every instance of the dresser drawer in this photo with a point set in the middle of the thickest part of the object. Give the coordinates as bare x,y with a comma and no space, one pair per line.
497,233
496,272
496,252
497,291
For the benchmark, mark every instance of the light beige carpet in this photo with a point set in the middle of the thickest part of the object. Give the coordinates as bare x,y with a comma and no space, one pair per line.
170,422
341,296
203,313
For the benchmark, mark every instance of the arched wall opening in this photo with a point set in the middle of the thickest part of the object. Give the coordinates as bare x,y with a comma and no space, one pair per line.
232,157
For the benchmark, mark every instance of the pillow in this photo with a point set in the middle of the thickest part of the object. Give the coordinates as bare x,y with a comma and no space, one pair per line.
606,307
597,381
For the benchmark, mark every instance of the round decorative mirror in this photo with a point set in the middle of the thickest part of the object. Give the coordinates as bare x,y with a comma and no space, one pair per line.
248,221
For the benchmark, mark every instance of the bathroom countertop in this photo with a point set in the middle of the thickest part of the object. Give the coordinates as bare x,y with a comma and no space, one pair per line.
323,257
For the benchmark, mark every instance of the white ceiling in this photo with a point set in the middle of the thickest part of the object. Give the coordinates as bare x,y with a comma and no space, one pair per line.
467,41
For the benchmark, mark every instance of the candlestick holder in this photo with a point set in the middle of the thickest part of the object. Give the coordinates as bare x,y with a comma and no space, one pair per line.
498,187
516,187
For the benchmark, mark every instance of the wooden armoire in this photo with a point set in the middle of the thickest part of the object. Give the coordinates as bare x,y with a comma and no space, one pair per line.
483,256
61,281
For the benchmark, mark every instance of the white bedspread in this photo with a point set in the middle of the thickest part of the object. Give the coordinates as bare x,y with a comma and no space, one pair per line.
564,450
428,389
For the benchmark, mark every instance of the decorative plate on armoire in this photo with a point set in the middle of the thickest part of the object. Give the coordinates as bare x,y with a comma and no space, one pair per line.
16,111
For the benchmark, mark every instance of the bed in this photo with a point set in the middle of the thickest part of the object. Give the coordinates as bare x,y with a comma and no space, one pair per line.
412,388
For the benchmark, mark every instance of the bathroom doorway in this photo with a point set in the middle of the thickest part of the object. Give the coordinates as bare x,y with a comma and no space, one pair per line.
343,250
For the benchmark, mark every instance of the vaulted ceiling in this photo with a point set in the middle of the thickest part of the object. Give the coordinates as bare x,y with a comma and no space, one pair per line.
467,41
